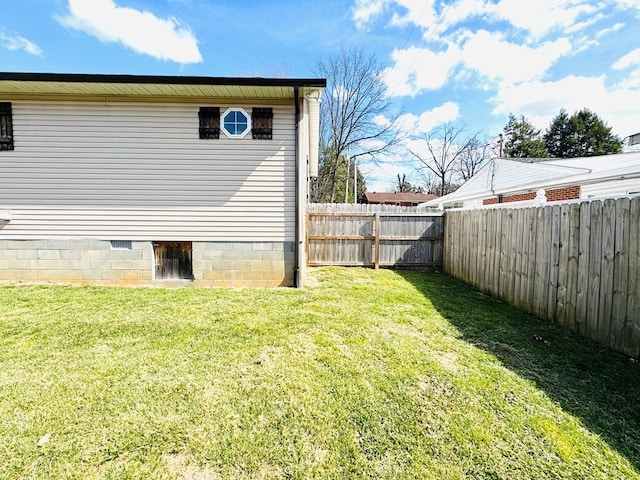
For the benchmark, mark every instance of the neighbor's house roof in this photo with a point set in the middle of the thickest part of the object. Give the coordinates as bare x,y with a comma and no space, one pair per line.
393,198
154,86
503,176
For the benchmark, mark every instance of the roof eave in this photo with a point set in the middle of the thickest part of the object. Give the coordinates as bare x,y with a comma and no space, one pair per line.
163,79
154,85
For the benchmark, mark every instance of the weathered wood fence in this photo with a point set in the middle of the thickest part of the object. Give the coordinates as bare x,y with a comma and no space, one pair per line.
577,264
373,235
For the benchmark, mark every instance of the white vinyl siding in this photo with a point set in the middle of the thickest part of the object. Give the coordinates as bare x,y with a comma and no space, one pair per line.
138,170
615,188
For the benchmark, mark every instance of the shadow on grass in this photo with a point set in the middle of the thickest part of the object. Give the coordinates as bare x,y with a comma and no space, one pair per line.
593,383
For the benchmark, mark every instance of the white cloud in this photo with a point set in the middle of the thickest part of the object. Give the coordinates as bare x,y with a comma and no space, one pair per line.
631,81
584,25
538,18
493,57
446,112
143,32
436,23
417,69
365,10
630,59
627,4
611,29
541,101
16,42
542,16
418,12
427,121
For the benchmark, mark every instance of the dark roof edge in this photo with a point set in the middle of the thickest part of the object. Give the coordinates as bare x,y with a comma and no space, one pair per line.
161,79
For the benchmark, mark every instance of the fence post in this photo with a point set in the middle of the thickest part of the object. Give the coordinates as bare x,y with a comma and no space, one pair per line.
307,224
376,234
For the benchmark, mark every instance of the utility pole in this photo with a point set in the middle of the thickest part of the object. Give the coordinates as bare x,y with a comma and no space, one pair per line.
355,181
346,180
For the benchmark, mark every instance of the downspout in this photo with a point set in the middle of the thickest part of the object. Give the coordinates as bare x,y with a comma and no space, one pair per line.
296,265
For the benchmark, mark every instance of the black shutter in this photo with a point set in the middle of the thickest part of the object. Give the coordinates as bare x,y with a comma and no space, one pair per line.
6,126
262,123
209,122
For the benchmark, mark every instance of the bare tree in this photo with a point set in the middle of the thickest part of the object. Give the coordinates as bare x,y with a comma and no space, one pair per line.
444,148
404,186
474,156
356,119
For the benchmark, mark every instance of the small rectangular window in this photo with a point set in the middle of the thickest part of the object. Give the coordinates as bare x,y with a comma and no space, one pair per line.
173,260
209,123
262,123
121,245
6,126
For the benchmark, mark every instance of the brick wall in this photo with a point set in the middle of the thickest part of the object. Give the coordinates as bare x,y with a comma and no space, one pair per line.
553,195
567,193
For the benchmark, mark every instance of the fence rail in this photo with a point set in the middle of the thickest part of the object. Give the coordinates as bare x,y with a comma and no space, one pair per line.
577,264
373,235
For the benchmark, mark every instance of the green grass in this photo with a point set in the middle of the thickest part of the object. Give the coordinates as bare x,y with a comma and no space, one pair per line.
368,374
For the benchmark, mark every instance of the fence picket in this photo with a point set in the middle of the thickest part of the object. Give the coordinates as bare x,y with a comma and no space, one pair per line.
554,260
583,268
595,266
573,252
606,271
563,264
621,274
632,324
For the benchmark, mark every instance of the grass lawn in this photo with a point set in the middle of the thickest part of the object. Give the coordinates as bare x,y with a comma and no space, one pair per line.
367,374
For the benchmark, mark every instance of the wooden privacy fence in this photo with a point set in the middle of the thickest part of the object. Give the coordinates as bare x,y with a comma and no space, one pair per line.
577,264
373,235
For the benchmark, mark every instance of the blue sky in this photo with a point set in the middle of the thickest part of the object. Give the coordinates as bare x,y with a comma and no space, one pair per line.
473,61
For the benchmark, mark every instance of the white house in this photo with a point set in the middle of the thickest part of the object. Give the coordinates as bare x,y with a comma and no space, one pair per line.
120,179
504,180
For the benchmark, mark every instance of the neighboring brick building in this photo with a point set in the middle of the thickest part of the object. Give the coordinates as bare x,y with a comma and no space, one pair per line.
547,180
552,195
402,199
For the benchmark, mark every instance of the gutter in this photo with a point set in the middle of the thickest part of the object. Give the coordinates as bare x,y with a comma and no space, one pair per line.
160,79
296,265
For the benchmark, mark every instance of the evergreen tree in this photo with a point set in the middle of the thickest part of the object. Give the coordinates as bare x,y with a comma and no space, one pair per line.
523,140
335,179
582,134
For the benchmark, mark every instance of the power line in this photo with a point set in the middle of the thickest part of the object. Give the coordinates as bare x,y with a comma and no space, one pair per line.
424,43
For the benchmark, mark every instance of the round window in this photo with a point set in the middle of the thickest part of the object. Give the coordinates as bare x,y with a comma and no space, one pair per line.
235,122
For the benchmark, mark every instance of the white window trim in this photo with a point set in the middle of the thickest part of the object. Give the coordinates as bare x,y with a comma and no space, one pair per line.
237,135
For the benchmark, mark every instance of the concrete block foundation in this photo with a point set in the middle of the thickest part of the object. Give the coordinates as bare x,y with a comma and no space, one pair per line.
103,262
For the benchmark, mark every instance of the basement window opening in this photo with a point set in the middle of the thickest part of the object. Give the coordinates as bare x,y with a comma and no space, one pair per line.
173,260
121,245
